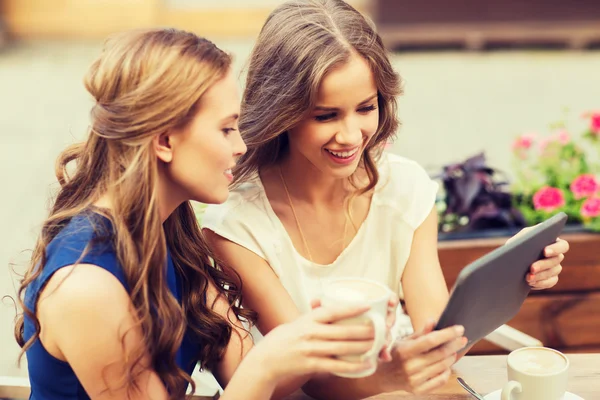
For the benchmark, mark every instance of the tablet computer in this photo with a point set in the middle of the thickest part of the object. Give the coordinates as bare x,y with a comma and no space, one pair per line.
490,291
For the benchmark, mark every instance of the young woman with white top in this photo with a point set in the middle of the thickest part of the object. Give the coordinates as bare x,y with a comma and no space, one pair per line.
316,197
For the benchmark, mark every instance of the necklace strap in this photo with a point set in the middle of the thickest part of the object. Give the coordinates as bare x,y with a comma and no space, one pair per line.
289,198
297,220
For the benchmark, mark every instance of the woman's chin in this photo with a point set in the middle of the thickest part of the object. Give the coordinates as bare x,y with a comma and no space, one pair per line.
343,172
216,197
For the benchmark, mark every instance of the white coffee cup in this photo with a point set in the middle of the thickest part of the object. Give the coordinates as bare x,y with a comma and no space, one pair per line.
536,373
357,292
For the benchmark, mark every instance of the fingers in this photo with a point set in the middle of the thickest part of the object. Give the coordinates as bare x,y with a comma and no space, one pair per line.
394,301
336,366
546,263
435,356
391,313
385,355
430,341
434,383
432,371
328,315
339,348
428,327
426,360
558,247
545,284
343,332
545,274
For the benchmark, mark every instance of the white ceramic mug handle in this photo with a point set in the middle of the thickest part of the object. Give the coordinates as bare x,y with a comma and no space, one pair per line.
508,389
380,328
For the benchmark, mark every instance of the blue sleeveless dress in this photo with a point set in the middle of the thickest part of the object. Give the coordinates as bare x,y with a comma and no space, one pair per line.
51,378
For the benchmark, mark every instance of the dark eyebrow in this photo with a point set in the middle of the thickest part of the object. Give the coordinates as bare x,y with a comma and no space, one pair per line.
233,117
322,108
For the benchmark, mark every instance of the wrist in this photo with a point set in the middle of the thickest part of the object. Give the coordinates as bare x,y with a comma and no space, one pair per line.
252,380
261,368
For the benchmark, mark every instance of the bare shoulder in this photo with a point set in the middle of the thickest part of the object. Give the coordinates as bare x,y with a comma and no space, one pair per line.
81,301
88,320
82,287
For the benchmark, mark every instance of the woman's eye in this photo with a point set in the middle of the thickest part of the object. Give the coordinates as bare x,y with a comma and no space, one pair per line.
367,109
325,117
227,131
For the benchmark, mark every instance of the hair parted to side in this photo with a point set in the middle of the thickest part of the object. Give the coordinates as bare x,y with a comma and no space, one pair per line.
301,41
145,83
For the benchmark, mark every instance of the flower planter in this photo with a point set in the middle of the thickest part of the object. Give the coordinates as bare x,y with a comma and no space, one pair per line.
566,317
501,233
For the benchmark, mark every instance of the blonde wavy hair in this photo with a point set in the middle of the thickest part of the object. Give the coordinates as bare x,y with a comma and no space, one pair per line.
301,41
145,83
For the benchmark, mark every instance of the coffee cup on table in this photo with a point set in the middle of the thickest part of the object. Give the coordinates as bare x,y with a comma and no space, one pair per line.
358,292
536,373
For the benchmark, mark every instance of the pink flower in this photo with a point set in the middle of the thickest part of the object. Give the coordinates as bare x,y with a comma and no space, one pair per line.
595,123
563,137
524,141
522,144
594,117
584,185
590,207
548,199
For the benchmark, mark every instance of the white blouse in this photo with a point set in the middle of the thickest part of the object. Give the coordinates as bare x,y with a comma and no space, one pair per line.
402,199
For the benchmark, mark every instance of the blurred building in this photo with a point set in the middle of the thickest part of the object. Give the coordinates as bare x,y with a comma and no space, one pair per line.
96,18
471,24
481,24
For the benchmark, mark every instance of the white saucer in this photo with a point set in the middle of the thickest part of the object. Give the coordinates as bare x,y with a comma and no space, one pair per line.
496,396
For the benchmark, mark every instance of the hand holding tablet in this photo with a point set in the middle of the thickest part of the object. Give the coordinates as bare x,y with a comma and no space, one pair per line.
490,291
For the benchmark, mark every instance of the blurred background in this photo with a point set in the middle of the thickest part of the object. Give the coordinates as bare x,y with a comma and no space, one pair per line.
477,74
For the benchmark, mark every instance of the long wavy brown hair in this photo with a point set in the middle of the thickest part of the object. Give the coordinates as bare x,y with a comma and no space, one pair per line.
301,41
145,83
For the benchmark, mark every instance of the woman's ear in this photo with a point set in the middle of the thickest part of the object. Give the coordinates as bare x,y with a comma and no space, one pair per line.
163,147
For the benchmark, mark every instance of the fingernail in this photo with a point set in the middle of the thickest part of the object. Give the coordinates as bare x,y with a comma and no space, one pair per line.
530,277
533,270
460,329
465,341
549,252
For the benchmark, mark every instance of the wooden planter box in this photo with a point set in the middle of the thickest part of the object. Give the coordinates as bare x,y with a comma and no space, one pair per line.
566,317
